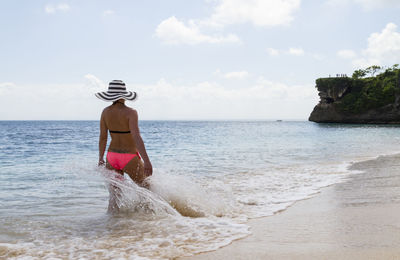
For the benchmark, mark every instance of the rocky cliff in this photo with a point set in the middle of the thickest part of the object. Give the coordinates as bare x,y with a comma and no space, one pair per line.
373,100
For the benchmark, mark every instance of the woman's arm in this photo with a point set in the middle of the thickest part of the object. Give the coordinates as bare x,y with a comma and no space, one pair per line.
102,139
134,128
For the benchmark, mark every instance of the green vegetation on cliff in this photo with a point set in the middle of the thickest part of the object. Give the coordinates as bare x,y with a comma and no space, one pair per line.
363,91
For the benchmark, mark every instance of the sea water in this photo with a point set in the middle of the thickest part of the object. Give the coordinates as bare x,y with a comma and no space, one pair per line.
209,178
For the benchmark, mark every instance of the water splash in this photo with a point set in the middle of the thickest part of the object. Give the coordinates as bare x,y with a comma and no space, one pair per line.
126,197
188,197
167,194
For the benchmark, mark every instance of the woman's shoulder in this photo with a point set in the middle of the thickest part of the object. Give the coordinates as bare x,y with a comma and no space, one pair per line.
106,109
132,112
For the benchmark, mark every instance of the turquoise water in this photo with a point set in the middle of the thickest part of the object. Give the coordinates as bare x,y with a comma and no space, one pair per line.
218,174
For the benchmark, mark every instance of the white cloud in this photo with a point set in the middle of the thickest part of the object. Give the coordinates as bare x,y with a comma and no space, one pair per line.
273,52
236,75
366,4
108,12
51,101
173,31
63,7
227,12
296,51
290,51
383,48
257,12
210,100
372,4
346,54
5,86
51,9
94,83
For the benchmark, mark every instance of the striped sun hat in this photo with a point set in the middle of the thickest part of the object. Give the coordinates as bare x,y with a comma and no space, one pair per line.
116,90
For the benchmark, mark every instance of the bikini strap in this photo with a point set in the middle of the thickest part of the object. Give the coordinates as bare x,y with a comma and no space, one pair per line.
120,132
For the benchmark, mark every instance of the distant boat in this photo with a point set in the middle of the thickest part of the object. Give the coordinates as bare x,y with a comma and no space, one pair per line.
278,120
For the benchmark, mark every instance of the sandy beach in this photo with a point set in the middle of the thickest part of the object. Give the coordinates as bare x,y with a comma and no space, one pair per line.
357,219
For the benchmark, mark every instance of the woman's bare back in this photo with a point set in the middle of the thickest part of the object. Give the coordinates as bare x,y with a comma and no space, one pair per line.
117,118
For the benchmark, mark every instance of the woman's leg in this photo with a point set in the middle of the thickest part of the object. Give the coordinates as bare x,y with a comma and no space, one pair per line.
114,190
135,170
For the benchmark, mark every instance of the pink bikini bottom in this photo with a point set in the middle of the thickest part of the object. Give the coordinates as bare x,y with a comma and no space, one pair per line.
119,160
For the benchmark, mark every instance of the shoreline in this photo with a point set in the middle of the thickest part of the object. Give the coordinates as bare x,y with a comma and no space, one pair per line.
354,219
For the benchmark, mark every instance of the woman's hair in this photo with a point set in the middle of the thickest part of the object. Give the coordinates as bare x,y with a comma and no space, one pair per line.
116,101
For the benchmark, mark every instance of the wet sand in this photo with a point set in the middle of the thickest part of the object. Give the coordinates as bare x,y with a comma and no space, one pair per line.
357,219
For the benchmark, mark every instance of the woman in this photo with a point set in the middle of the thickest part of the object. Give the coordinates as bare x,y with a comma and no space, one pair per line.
126,148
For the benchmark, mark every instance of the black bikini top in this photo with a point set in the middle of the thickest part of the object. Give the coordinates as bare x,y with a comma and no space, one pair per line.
120,132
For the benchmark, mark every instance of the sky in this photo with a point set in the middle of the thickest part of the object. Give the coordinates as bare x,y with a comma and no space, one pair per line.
187,60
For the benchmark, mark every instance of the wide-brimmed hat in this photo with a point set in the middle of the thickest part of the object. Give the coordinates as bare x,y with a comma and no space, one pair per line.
116,90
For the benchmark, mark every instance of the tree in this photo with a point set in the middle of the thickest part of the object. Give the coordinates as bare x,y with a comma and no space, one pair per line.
373,69
357,74
393,68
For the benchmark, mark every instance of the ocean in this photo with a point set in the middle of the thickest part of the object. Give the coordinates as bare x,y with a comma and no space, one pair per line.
209,178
